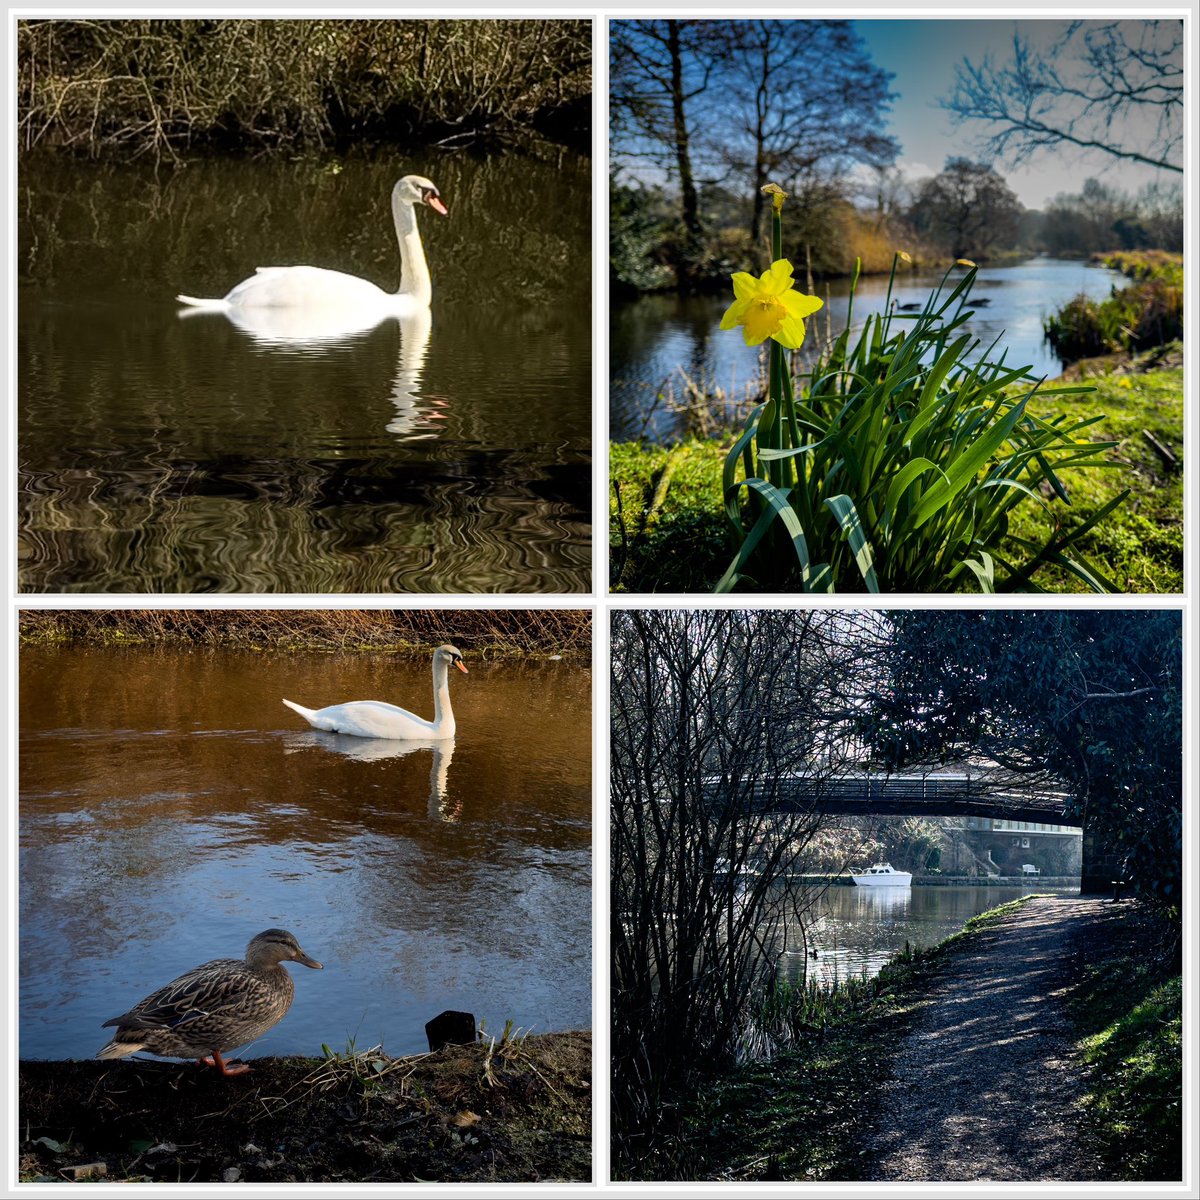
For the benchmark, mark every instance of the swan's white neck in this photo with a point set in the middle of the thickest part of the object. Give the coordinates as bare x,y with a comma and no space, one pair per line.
443,715
414,272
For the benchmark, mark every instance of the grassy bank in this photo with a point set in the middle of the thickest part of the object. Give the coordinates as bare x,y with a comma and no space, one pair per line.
1147,313
519,1112
671,537
492,632
804,1114
166,87
1128,1010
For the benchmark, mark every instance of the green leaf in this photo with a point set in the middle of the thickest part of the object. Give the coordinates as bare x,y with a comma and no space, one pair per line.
964,468
846,515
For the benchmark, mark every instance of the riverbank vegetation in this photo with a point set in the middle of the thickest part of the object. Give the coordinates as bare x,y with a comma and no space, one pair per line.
166,88
517,1110
805,1113
491,632
669,532
702,863
1146,314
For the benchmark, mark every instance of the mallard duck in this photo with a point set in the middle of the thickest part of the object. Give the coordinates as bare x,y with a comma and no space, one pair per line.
377,719
217,1006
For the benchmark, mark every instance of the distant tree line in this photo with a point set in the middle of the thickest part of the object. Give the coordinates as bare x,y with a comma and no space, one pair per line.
161,87
703,113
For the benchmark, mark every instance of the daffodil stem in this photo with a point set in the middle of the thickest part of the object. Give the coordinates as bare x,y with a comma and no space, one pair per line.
781,472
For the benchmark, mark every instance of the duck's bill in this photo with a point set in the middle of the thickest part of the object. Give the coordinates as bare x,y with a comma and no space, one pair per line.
435,202
303,958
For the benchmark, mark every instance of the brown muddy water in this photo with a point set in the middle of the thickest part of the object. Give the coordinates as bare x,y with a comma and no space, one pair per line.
164,453
171,807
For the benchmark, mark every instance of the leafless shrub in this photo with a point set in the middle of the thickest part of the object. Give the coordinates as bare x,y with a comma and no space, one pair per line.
713,714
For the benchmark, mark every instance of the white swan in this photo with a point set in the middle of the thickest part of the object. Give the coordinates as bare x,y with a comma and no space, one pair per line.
315,289
375,719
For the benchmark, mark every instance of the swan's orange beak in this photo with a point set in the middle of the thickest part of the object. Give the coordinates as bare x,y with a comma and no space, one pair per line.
458,662
435,202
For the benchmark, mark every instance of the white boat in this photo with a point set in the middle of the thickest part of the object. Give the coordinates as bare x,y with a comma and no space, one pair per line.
883,875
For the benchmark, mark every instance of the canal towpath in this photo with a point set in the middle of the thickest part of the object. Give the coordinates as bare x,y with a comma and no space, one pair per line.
985,1085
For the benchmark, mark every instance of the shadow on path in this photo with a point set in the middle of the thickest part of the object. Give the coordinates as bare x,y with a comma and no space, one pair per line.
985,1084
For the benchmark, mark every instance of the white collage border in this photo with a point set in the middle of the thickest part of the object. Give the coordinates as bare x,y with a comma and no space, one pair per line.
601,604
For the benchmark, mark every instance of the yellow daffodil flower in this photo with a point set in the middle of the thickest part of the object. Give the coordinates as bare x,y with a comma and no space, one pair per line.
768,308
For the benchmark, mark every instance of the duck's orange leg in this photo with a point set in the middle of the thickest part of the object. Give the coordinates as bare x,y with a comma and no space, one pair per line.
225,1068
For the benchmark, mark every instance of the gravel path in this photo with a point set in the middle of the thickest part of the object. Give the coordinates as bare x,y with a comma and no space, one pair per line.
985,1084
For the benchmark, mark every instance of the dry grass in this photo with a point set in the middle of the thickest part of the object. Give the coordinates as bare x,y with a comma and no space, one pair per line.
495,632
160,86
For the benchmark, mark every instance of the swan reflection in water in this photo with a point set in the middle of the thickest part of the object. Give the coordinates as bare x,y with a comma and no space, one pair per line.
441,806
297,330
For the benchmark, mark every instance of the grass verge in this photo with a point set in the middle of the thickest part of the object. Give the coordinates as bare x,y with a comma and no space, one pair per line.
1128,1011
1139,547
681,543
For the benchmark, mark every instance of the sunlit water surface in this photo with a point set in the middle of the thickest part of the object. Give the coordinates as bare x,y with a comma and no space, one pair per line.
855,930
161,453
659,341
171,807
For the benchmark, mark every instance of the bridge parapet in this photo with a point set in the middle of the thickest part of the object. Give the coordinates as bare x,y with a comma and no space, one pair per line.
933,794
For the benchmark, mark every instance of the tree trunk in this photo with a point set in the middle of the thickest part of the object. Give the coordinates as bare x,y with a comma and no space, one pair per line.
683,157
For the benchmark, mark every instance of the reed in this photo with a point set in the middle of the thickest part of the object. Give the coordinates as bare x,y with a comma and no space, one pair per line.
162,87
495,632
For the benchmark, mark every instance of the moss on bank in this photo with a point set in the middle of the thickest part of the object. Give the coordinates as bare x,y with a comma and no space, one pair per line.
683,546
520,1113
494,632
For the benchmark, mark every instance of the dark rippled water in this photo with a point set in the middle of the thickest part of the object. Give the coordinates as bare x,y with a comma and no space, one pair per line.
171,808
160,454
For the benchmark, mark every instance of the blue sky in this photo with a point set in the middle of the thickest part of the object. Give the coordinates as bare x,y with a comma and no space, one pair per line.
922,55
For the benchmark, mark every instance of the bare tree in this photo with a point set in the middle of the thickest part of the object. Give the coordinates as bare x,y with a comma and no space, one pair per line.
1114,86
968,208
713,713
807,103
658,68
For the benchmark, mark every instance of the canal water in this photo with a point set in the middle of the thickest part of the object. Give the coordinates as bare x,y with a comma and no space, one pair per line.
165,450
658,342
171,807
855,930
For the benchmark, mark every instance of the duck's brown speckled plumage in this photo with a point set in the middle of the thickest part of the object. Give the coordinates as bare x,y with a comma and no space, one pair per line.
217,1006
